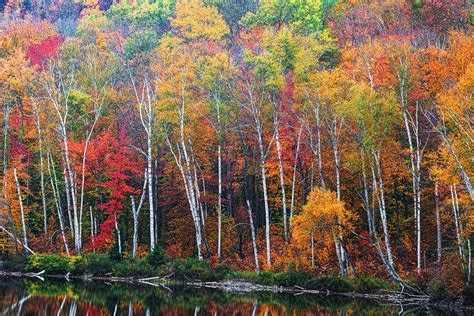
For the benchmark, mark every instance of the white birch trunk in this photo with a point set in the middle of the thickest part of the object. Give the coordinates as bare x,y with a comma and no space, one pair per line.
145,110
58,102
219,201
135,229
254,239
383,213
219,183
117,229
457,223
183,163
150,193
22,211
293,180
319,153
92,223
40,144
370,215
265,196
438,225
57,200
442,132
136,214
68,202
415,185
282,182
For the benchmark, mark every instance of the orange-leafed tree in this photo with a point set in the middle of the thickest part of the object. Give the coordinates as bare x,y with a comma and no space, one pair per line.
321,221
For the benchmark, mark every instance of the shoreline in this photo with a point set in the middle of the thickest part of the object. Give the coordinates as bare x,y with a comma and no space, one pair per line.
241,286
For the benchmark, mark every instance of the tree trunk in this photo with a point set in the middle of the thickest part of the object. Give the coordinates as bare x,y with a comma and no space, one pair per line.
71,190
119,239
383,213
219,183
438,225
293,181
23,224
135,228
368,209
219,201
40,144
254,239
150,192
92,224
415,163
319,154
57,199
457,222
265,196
282,183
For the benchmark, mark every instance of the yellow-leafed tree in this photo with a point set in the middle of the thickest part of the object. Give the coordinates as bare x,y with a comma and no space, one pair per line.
320,221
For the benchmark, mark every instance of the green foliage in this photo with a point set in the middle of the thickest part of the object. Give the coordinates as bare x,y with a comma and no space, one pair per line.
135,17
265,278
114,253
192,268
140,42
49,263
133,267
156,257
331,283
96,264
143,24
245,275
292,277
367,284
304,16
222,271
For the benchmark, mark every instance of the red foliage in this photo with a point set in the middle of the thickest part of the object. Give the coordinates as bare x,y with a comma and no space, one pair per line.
120,164
48,48
442,15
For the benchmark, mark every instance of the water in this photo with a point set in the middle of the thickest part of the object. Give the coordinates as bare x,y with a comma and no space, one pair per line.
58,297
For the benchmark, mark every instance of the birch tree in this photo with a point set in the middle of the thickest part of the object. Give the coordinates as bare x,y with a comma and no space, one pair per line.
145,98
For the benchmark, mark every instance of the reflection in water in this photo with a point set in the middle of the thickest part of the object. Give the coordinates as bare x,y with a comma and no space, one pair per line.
57,297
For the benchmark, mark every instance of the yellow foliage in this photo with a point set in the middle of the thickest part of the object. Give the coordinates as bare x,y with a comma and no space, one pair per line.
196,21
321,216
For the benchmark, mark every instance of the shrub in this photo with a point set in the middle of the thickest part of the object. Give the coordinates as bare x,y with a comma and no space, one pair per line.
49,263
292,277
121,268
246,275
139,267
114,253
73,262
448,279
222,271
331,283
96,264
157,257
265,278
194,269
367,284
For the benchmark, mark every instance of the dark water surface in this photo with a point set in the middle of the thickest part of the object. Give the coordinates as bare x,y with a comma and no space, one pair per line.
58,297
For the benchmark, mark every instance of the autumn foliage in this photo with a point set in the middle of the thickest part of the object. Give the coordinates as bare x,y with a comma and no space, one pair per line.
335,136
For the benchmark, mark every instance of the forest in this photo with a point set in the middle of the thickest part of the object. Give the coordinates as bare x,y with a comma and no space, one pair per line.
334,137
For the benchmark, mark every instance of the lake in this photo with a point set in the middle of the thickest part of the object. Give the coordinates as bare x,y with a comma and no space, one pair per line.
57,297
